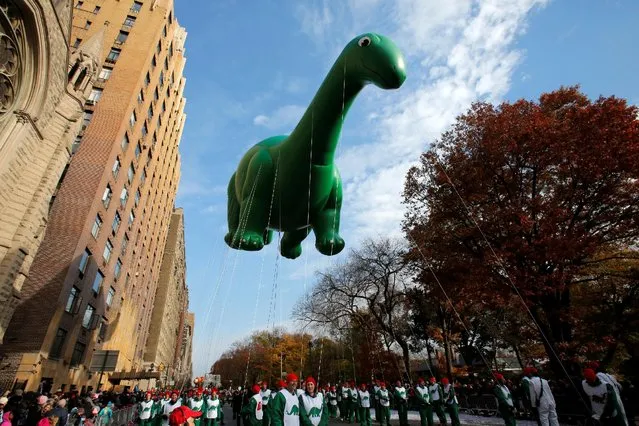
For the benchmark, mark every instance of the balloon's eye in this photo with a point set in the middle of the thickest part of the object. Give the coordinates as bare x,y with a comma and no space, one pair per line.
364,41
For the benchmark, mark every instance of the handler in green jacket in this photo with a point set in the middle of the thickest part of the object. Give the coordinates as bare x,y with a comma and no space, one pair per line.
450,402
422,393
313,409
252,412
384,398
401,402
285,410
505,400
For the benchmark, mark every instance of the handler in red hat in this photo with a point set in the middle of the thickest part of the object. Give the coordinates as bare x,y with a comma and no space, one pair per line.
450,401
285,408
252,411
505,400
183,415
313,410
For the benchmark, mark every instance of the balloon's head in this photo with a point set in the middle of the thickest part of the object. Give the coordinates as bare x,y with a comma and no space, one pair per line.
374,58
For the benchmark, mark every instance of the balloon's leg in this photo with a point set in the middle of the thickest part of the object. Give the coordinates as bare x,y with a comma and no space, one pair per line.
254,208
233,214
326,223
291,244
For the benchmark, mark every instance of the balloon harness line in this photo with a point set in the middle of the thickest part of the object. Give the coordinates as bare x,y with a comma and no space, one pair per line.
259,287
241,228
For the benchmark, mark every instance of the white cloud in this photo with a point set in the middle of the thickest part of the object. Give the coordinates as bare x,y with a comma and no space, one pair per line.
283,118
458,52
315,21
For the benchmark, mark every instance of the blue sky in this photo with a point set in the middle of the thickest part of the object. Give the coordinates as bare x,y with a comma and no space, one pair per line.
254,65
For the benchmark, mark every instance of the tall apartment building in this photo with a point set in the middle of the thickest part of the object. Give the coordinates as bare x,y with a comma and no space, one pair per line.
184,364
170,305
92,283
40,115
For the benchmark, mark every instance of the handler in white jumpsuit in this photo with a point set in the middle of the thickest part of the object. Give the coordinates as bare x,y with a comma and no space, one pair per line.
541,397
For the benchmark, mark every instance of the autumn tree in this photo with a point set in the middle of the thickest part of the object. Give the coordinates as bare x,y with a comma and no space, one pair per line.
369,288
522,196
606,304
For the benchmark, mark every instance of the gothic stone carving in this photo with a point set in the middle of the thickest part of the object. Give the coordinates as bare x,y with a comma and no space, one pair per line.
11,41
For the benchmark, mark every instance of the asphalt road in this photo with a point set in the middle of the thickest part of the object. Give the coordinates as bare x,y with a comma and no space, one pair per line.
413,419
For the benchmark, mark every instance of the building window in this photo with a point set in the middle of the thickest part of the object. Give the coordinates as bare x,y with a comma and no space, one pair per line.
141,96
116,167
110,294
164,31
88,315
96,10
132,119
72,300
108,248
142,177
86,119
77,42
170,17
121,38
84,261
159,49
171,50
116,223
136,7
105,74
106,197
125,142
149,112
125,243
131,217
58,342
129,21
147,79
87,25
95,95
154,140
161,78
117,269
154,62
137,197
130,173
145,129
97,282
124,196
103,329
138,151
79,4
78,354
97,224
113,55
76,144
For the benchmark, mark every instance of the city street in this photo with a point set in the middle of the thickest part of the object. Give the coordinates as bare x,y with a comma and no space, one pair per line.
413,419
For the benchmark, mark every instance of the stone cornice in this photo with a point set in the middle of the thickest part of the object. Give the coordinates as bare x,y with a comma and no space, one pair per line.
25,117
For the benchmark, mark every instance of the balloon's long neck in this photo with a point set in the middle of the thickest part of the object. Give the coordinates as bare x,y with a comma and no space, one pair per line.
320,127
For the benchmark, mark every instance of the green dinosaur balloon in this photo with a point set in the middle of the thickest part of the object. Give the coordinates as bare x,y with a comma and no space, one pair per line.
290,183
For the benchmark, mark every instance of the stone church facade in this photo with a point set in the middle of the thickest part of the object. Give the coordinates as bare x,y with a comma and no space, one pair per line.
44,83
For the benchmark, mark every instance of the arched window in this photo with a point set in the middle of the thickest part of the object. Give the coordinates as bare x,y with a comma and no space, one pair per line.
80,79
11,40
74,69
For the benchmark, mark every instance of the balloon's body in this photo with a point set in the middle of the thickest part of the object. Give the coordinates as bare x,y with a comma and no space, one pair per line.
290,183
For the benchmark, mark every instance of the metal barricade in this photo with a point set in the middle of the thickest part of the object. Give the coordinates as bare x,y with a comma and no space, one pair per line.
125,416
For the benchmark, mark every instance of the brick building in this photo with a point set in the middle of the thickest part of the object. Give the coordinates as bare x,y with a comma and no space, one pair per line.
170,306
92,283
40,115
184,366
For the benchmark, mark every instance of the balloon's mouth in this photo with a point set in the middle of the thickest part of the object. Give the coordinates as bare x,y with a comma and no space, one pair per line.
392,81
